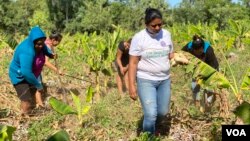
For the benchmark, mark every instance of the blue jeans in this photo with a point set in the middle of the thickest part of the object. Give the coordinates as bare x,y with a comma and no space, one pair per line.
196,92
155,99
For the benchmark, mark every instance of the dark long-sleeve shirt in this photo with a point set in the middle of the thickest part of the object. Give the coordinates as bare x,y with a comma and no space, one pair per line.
208,57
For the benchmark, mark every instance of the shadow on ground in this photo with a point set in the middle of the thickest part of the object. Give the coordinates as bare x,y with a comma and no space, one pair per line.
163,126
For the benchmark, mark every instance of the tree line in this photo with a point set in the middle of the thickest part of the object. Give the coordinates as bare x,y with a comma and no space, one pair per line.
71,16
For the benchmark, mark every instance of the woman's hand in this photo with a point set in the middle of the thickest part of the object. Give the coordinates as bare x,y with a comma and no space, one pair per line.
54,56
60,72
126,69
132,69
122,71
133,92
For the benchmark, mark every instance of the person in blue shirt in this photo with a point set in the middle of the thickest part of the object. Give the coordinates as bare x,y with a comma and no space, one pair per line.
26,66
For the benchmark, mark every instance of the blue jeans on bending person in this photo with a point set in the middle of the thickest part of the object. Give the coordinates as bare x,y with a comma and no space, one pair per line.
196,89
155,99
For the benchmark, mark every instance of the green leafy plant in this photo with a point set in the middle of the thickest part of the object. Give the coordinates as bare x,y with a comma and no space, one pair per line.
240,30
211,79
100,53
207,76
235,88
80,109
7,41
6,132
61,135
245,85
243,112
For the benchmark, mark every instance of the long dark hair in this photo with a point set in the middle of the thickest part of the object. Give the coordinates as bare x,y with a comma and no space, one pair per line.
151,14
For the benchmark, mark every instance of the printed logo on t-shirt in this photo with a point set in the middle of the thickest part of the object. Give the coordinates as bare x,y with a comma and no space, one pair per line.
156,54
163,44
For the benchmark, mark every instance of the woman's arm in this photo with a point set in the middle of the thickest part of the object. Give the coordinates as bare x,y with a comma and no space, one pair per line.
48,52
171,56
118,60
132,69
50,65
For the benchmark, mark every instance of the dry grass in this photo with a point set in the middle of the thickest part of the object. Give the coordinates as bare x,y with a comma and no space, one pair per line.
112,118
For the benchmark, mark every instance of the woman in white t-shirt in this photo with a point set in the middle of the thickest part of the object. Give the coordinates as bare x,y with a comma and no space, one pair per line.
149,65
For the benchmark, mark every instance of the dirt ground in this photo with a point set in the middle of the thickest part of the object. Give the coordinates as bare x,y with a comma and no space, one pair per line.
179,125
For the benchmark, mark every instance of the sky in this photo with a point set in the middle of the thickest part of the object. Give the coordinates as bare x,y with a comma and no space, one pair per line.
175,2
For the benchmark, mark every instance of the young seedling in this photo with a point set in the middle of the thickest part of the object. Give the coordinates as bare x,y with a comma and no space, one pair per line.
79,109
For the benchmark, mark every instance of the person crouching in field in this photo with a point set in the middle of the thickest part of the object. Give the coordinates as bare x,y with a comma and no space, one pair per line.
121,63
26,66
202,50
51,42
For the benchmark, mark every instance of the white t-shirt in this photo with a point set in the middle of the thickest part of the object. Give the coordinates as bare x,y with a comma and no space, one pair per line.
154,54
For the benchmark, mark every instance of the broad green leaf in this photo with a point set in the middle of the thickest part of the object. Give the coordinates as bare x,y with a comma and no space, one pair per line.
3,136
217,80
59,136
190,68
61,107
207,76
77,103
246,81
235,27
243,112
193,61
6,132
89,94
203,71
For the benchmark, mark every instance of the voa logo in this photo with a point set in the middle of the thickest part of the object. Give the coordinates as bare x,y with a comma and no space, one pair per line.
236,132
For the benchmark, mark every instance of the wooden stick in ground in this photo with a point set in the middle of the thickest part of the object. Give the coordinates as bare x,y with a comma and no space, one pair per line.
78,78
60,81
